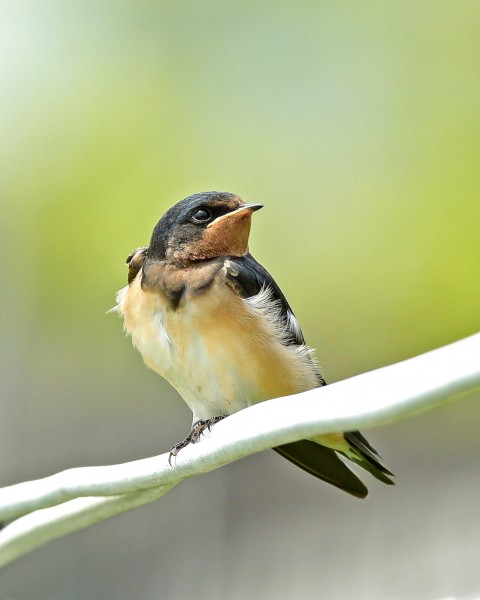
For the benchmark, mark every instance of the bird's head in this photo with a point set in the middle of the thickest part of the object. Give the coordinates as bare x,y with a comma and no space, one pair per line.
203,226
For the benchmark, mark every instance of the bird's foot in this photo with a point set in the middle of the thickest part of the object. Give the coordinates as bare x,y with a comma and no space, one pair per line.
192,438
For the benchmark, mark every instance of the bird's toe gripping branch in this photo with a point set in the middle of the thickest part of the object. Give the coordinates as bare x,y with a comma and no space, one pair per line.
192,438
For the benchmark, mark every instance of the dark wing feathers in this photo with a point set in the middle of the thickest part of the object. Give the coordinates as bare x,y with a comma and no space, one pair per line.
247,278
367,457
322,462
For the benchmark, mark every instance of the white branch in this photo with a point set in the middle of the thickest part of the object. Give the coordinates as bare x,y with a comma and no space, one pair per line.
372,399
43,526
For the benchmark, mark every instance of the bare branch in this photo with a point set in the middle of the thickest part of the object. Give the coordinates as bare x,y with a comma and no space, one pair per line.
369,400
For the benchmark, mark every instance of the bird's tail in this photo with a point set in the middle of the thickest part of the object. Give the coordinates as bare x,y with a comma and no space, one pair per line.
362,453
323,462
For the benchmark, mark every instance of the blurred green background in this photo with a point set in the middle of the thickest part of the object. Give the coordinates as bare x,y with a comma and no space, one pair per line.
358,126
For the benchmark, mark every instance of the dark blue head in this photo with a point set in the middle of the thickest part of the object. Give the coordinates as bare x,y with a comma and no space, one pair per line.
203,226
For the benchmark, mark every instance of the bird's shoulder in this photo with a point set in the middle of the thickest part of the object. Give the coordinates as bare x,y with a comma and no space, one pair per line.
250,280
243,275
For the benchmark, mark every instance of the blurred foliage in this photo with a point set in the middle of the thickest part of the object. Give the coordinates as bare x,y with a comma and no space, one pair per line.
357,127
356,124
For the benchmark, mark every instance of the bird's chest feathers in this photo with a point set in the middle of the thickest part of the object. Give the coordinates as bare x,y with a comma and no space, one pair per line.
165,311
218,350
187,326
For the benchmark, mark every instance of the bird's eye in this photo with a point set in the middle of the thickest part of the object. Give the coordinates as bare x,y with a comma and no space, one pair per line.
202,215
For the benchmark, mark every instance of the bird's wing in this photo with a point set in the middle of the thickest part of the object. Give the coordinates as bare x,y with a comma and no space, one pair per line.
247,278
322,462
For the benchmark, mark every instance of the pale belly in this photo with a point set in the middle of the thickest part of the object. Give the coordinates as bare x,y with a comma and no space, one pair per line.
219,351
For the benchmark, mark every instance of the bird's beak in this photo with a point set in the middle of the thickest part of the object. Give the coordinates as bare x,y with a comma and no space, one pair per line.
252,207
243,211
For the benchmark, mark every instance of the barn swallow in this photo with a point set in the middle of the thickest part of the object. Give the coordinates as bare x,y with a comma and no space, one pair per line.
207,317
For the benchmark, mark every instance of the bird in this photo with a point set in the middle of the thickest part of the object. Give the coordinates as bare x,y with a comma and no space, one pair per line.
211,320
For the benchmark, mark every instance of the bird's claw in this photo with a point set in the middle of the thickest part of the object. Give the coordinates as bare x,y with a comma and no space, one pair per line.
192,438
